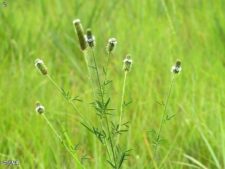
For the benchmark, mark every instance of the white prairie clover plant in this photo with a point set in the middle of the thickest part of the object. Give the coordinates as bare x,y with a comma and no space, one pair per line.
166,116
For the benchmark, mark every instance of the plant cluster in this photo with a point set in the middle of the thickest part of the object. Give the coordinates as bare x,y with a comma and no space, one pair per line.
108,128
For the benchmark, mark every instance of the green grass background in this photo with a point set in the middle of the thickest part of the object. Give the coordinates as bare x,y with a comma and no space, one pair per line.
155,33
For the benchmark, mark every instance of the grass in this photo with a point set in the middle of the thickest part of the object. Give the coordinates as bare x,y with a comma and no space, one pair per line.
155,33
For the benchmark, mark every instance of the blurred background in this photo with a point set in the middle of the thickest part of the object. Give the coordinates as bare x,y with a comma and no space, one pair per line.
155,33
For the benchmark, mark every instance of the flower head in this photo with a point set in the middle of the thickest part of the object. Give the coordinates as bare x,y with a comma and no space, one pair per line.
90,39
176,68
127,63
39,64
80,34
111,45
39,108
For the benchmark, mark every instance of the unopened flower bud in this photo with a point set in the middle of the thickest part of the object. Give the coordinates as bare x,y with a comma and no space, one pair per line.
80,34
90,39
39,108
41,66
111,45
127,63
176,68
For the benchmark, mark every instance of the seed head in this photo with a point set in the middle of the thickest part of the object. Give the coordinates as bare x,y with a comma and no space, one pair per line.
176,68
111,45
39,64
90,39
39,108
80,34
127,63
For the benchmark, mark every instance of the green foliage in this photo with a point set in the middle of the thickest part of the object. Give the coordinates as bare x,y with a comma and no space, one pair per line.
156,34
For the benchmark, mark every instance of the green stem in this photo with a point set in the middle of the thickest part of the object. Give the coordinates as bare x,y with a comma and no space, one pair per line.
102,99
107,148
106,73
88,62
61,92
64,144
97,74
107,123
163,116
107,65
111,143
122,102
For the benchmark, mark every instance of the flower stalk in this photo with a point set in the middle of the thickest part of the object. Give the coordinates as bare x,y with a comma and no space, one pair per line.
41,110
175,70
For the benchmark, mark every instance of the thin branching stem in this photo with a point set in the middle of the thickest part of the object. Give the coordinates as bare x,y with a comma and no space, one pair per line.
62,141
111,143
104,110
70,102
103,93
61,91
97,74
163,116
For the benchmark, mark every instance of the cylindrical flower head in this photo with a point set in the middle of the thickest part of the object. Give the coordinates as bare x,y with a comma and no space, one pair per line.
39,64
111,45
176,68
90,39
127,63
80,34
39,108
